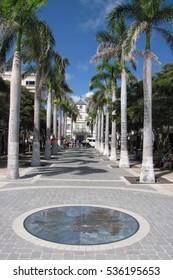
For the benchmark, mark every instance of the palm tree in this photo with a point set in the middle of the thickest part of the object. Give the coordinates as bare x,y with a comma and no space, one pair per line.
16,20
113,155
55,146
63,89
97,106
74,113
111,47
146,17
92,112
59,102
48,125
39,51
70,110
55,84
92,119
101,82
113,71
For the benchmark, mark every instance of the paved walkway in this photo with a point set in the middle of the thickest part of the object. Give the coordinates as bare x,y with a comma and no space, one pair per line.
83,177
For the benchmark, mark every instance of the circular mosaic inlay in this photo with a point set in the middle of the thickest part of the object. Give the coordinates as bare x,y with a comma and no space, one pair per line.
81,225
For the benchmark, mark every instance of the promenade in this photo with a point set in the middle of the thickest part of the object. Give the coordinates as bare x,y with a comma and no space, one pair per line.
79,176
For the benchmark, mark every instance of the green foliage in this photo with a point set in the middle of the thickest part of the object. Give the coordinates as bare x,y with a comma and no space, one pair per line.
162,97
4,99
135,106
27,110
27,107
56,79
162,110
163,80
16,18
144,16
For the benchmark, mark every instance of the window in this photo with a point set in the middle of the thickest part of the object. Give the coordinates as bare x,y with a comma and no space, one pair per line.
81,107
30,83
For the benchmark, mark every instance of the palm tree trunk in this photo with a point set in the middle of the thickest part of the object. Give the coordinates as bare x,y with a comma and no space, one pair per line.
106,149
96,131
59,127
13,130
102,133
99,131
48,126
124,158
36,138
71,132
62,125
147,171
113,155
55,147
65,125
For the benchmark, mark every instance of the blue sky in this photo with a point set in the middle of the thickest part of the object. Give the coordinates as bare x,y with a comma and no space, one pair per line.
74,24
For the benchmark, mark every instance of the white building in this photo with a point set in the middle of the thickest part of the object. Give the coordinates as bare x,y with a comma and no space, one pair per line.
28,81
79,130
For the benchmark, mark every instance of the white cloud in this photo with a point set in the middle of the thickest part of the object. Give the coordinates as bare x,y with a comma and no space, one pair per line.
88,94
92,23
109,7
69,76
83,66
75,98
96,20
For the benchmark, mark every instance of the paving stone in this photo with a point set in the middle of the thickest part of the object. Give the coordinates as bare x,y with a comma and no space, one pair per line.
101,257
36,255
13,256
80,177
24,256
57,256
4,256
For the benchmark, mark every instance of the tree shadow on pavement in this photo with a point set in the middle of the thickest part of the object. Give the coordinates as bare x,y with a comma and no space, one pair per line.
56,171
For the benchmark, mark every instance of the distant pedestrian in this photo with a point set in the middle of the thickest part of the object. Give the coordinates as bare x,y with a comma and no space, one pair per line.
169,148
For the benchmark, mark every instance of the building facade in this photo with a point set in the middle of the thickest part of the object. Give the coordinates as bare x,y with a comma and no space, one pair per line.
27,81
79,130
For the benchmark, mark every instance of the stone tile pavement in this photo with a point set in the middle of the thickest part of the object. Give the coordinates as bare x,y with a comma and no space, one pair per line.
84,177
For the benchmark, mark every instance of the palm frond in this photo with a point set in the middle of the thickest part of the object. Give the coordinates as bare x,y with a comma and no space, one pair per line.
167,35
105,52
30,69
6,42
133,33
132,62
96,84
127,10
143,53
164,14
106,37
